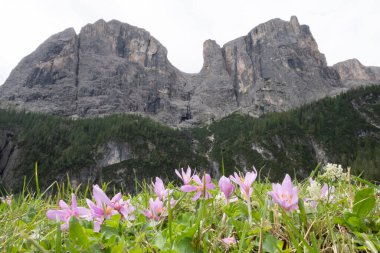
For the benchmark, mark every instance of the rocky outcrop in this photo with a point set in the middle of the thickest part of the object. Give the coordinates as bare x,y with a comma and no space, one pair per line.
353,73
277,66
9,159
112,67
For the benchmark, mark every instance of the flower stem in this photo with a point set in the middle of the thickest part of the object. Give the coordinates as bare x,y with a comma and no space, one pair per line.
249,211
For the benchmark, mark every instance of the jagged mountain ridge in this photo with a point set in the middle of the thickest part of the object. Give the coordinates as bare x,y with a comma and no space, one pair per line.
112,67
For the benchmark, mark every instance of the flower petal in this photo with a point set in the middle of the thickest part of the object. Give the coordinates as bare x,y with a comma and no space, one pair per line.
63,204
197,195
197,180
116,198
188,188
74,202
56,214
99,196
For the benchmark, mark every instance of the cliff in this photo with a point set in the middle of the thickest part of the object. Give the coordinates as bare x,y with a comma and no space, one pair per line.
112,67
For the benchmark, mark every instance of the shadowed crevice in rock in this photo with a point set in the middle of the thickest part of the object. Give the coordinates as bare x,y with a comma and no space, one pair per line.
77,72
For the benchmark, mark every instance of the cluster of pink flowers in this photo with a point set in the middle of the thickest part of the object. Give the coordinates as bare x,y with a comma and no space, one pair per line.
66,212
104,208
157,209
101,210
285,195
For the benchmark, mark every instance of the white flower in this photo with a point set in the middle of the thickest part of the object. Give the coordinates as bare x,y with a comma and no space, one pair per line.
318,193
333,172
314,189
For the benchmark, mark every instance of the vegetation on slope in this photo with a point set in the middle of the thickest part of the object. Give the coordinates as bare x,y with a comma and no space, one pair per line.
289,141
344,130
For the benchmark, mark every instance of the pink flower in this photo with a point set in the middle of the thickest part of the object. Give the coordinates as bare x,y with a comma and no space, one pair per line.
156,210
67,212
125,208
186,177
201,187
7,199
226,187
325,193
159,189
286,195
245,183
105,208
229,241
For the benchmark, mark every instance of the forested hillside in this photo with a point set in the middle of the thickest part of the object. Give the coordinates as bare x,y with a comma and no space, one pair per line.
120,148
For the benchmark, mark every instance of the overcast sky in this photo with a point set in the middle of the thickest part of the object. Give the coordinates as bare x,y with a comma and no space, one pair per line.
343,29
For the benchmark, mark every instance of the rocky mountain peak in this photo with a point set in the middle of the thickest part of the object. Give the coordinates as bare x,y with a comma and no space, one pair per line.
212,57
295,24
113,67
353,73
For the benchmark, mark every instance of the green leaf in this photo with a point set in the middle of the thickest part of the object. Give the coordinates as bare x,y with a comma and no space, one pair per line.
364,202
159,241
272,244
184,245
77,233
354,221
302,214
118,248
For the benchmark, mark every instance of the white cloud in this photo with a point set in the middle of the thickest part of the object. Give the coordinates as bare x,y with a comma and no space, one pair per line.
343,29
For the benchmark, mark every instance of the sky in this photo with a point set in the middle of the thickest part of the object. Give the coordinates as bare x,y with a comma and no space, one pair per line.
343,29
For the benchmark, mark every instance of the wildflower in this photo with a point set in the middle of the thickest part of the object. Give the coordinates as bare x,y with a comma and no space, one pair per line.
333,172
67,212
318,193
229,241
245,183
201,187
226,187
186,177
156,210
286,195
7,199
159,189
125,208
105,207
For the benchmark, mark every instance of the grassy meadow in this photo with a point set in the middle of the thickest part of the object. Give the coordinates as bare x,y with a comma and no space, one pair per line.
330,211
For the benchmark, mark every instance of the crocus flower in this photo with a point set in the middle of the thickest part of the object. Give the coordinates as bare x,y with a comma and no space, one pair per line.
159,189
7,199
104,208
245,183
226,187
125,208
286,195
186,177
229,241
201,187
156,210
67,212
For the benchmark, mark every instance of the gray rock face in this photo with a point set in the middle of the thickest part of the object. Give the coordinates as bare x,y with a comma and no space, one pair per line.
353,73
112,67
277,66
9,159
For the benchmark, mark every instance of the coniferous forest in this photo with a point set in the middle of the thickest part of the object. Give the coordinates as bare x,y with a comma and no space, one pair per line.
343,130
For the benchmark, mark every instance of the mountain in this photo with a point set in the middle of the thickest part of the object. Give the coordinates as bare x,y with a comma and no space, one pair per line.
119,148
353,73
112,67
